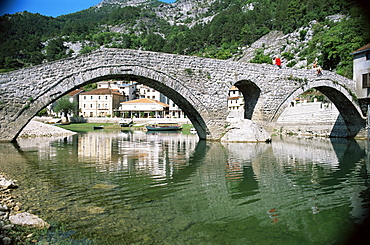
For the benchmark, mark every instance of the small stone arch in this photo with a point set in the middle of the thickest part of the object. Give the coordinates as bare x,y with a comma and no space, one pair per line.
251,93
341,97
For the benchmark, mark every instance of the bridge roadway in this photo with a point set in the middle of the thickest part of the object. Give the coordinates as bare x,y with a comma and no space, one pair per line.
199,86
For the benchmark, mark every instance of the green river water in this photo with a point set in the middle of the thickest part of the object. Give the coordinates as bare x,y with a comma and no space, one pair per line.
131,187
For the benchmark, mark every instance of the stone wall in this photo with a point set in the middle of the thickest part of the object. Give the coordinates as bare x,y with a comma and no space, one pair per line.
317,119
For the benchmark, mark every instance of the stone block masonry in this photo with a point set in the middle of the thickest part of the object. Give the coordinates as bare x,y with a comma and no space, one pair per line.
199,86
313,119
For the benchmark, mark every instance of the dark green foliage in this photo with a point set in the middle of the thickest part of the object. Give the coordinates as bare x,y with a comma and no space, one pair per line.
261,58
56,50
287,55
90,86
235,23
124,15
43,112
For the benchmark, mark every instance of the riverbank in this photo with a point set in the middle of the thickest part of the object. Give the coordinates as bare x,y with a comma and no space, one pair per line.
39,129
16,225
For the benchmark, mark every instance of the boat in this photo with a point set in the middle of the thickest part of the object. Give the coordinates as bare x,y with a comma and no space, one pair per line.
193,131
163,126
98,127
126,122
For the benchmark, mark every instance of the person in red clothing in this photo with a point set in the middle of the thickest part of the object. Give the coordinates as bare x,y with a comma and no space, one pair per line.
277,61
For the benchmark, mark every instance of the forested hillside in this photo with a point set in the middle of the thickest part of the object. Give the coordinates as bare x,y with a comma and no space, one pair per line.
210,28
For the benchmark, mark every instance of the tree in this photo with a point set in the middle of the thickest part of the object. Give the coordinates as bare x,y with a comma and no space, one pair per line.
56,50
65,106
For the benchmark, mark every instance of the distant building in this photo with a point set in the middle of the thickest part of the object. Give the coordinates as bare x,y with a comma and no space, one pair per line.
361,71
100,102
235,101
175,111
127,88
149,93
133,91
144,108
74,97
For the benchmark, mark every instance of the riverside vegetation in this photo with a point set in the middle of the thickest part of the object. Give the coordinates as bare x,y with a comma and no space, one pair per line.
210,28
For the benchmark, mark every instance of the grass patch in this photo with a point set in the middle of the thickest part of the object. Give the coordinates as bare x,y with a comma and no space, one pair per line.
186,128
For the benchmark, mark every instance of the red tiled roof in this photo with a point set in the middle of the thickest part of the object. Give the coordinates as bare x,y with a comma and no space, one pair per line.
366,47
233,98
102,91
145,101
74,92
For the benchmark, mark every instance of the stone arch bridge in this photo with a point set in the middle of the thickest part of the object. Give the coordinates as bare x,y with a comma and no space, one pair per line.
199,86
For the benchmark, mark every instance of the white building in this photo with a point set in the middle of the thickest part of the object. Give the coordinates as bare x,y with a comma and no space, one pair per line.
361,71
99,102
235,101
127,88
148,92
133,90
144,108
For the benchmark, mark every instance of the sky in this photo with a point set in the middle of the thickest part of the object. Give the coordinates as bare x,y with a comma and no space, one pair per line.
49,7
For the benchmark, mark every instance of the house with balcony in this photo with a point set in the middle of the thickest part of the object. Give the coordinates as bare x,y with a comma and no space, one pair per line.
100,102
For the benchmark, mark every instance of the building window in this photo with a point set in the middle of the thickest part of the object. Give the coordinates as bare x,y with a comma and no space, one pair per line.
99,97
90,105
84,97
368,56
366,80
106,97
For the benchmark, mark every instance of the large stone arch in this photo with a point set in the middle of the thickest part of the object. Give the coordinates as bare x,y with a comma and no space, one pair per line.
342,98
172,88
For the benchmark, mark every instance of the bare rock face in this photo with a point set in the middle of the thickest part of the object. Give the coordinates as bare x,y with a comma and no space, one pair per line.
244,130
27,219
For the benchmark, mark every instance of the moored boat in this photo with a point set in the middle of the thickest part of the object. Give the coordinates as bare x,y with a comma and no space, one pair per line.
164,126
126,122
98,127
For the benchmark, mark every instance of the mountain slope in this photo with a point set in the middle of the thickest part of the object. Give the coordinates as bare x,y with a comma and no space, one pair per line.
223,29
